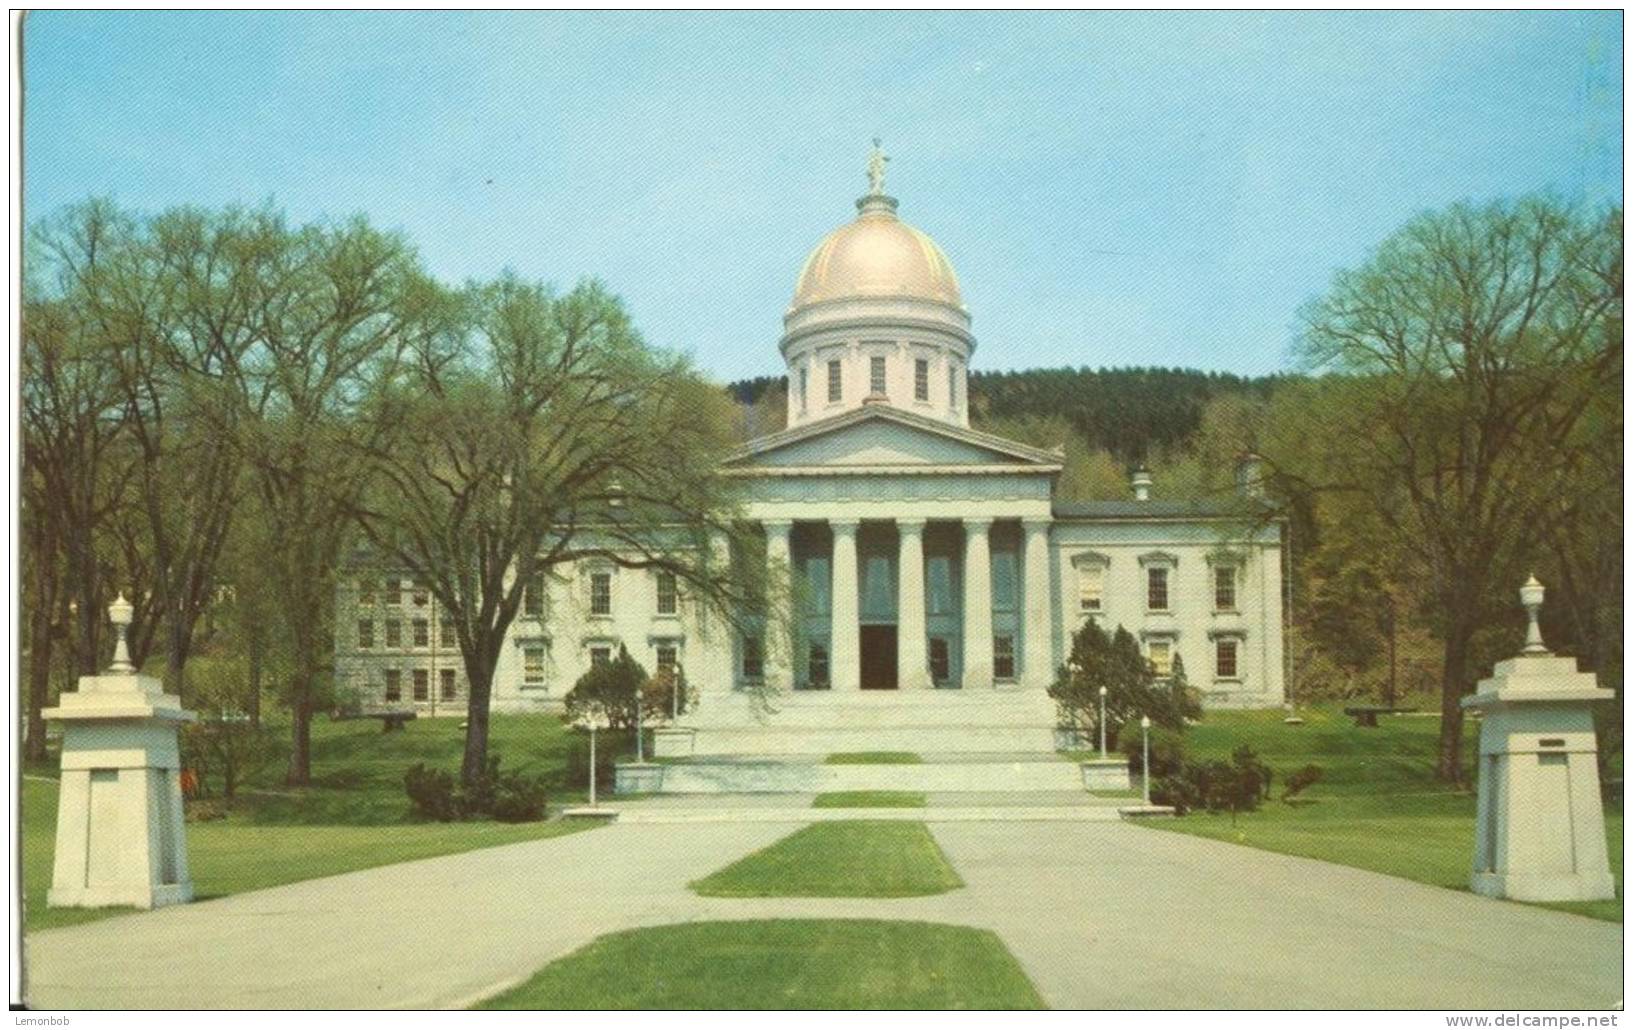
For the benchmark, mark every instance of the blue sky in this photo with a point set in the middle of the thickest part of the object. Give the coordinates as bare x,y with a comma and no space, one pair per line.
1112,188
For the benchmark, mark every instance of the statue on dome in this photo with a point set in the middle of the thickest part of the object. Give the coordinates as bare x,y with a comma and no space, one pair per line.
876,170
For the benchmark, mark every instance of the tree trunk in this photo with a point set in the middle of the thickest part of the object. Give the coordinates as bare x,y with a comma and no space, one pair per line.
1453,685
253,702
476,724
175,658
39,681
300,751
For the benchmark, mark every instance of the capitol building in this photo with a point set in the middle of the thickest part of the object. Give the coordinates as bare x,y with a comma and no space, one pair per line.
940,578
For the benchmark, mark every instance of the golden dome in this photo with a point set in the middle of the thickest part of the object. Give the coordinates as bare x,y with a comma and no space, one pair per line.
878,255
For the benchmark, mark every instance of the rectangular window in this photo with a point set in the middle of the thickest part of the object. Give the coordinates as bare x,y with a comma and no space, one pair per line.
921,379
394,633
816,665
449,689
1091,584
450,638
1224,658
941,665
1224,588
753,659
668,598
394,590
939,586
835,384
533,664
422,594
1005,589
601,593
365,634
365,590
666,658
598,655
819,585
876,376
394,685
1003,658
422,685
533,596
1156,588
422,633
952,385
804,382
1161,655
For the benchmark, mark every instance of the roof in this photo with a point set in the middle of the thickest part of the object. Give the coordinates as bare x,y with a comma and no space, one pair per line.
1024,454
1198,508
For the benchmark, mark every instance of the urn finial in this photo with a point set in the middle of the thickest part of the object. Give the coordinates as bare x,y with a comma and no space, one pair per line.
1531,595
119,613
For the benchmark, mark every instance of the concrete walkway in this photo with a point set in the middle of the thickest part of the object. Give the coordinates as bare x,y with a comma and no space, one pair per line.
1101,915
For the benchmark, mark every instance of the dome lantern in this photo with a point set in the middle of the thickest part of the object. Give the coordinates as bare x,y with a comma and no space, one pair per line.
877,303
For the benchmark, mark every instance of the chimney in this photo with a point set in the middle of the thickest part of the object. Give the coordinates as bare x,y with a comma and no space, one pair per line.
1141,482
1250,475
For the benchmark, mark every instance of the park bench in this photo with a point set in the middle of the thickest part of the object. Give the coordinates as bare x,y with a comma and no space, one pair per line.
1367,715
391,719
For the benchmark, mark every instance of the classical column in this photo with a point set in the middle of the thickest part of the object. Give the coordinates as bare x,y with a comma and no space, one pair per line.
844,644
1037,629
779,628
977,604
912,664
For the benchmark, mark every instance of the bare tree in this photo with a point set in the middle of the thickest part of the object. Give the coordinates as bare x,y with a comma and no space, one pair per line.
167,301
1471,344
334,309
549,433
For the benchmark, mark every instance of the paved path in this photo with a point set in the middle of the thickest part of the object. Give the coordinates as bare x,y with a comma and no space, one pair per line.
1100,915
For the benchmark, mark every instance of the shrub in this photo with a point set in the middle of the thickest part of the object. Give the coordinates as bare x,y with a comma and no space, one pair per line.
665,695
518,798
431,792
1299,781
611,691
609,745
506,796
1219,786
1167,750
1132,687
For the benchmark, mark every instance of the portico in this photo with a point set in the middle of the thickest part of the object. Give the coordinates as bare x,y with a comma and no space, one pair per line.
878,575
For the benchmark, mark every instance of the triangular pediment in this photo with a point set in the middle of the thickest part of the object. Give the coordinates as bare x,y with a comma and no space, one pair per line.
879,438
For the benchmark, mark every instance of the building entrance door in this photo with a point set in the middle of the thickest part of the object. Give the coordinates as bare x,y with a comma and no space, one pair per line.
878,657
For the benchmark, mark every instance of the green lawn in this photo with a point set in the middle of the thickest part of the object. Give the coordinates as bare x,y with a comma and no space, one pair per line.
873,758
354,816
783,964
860,858
1377,807
869,799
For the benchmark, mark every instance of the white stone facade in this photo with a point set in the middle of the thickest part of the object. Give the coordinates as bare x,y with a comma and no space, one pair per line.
932,560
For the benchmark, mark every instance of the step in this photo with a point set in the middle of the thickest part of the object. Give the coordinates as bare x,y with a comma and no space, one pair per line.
826,740
729,813
875,709
770,775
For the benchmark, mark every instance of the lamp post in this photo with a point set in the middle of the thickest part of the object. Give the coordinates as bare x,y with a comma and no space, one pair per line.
1145,767
1102,722
592,721
640,746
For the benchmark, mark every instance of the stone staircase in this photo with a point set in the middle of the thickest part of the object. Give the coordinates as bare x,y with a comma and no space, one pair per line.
823,723
966,741
1040,771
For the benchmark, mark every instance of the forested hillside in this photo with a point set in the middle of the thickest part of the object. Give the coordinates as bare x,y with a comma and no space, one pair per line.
1131,414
